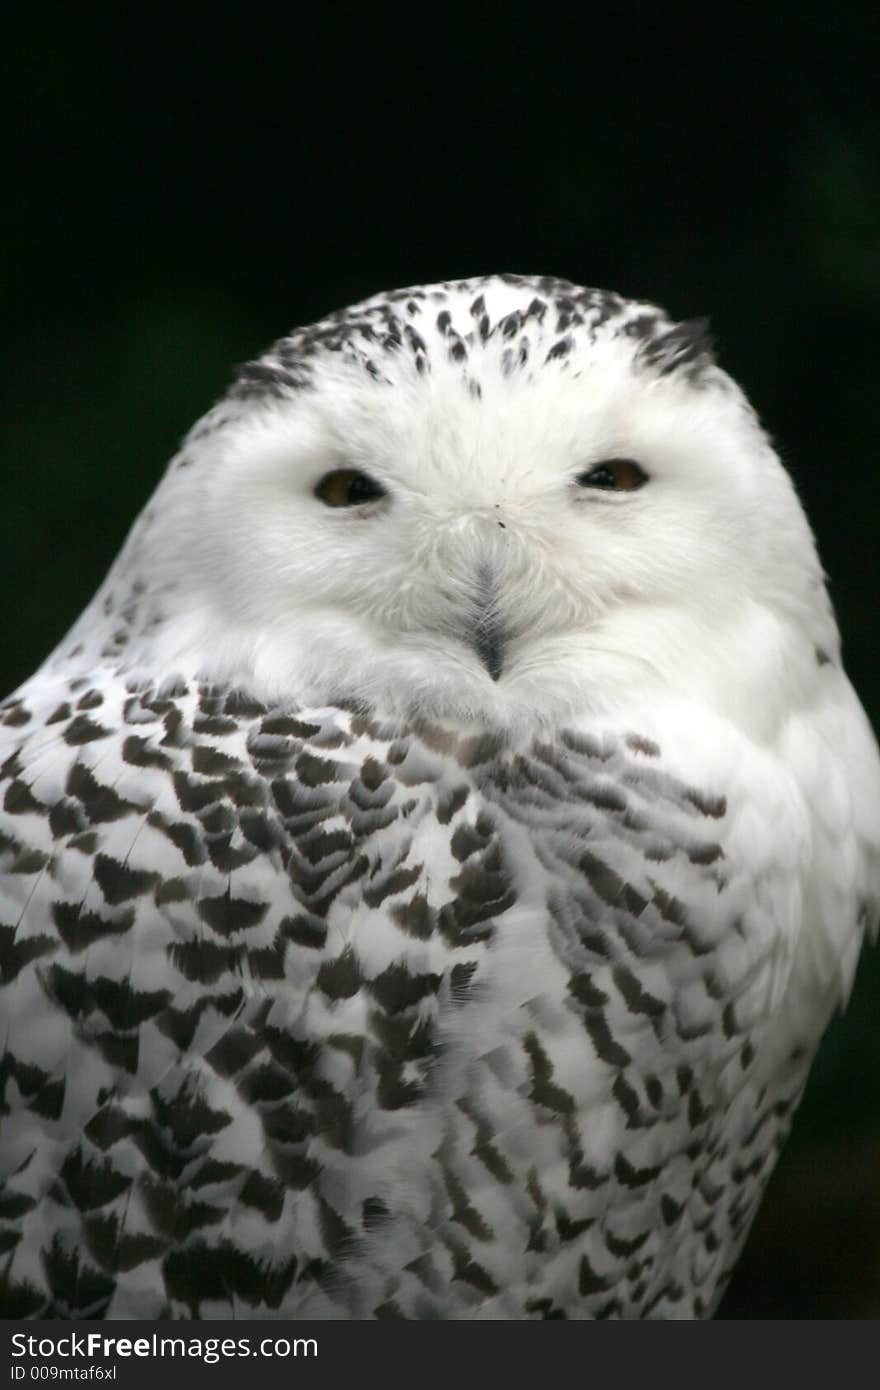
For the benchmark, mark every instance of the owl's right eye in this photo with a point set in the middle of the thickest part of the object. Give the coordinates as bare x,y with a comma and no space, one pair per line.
614,475
348,487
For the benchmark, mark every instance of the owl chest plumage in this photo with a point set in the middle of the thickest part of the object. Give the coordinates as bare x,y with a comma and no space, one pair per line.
309,1017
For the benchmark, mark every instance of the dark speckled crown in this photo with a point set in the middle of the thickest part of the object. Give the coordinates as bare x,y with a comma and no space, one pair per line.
454,320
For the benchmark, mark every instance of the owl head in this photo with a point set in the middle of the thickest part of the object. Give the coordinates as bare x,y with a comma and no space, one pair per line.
504,499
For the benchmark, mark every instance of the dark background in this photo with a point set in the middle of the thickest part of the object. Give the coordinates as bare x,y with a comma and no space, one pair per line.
178,191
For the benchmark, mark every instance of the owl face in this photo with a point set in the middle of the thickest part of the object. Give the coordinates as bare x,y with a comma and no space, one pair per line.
497,516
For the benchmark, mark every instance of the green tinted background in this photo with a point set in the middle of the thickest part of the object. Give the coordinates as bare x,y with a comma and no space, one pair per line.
176,193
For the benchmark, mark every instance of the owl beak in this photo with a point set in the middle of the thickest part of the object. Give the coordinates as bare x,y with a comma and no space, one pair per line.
487,637
489,647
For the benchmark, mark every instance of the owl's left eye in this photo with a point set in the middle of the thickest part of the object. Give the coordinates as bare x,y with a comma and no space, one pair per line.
348,487
614,475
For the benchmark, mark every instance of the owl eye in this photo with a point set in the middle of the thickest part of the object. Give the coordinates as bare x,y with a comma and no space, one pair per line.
348,487
614,475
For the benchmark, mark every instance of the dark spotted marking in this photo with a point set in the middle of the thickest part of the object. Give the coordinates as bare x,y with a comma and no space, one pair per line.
86,843
645,746
609,886
16,716
171,890
466,840
233,1052
568,1229
76,1286
228,915
200,1273
670,1210
139,752
91,1183
122,1005
118,882
192,795
481,748
218,725
484,1148
561,348
654,1090
628,1100
396,988
396,882
17,954
209,762
544,1090
265,1194
622,1248
706,854
341,977
633,1177
584,990
203,962
638,1000
607,1049
91,700
100,803
29,862
305,931
20,801
315,772
670,909
79,928
181,1024
183,836
471,1272
84,730
713,806
414,917
589,1282
464,1212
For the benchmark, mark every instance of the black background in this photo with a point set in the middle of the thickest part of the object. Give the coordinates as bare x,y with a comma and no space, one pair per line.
179,189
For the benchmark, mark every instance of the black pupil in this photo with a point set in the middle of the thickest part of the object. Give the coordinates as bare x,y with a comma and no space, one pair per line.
362,489
348,487
600,477
618,475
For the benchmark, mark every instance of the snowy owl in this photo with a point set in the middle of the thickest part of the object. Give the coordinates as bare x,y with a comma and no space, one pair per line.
431,860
